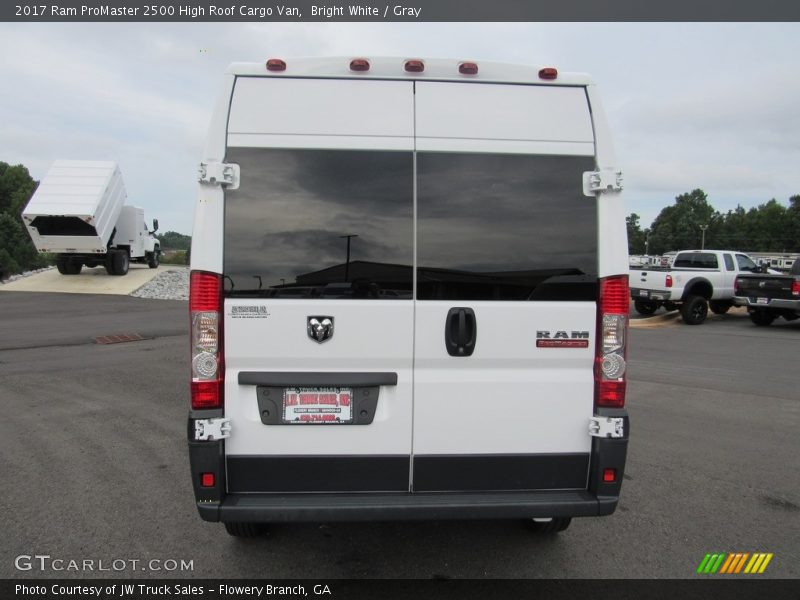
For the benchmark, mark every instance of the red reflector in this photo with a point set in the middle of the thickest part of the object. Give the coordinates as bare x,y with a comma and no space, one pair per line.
208,479
415,66
611,393
609,475
276,64
669,280
468,68
205,291
206,394
548,73
614,295
796,288
359,64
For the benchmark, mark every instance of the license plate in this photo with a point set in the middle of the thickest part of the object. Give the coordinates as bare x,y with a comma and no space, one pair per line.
762,300
318,406
644,293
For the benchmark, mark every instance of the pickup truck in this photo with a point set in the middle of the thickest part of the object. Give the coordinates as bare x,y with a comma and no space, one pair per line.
698,280
769,296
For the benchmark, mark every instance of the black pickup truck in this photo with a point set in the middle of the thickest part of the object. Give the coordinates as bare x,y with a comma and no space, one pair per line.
768,297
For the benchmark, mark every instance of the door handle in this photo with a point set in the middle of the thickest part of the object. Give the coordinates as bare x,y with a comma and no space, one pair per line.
460,331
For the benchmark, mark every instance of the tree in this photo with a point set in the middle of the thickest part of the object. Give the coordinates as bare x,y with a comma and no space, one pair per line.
636,237
174,240
17,252
679,227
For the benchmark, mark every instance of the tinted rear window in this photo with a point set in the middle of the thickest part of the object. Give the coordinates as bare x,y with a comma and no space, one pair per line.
288,225
696,260
505,227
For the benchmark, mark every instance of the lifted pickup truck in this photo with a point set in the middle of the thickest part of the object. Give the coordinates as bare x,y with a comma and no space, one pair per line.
769,296
697,281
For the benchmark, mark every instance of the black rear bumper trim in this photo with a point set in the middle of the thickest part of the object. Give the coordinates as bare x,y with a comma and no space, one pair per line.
298,378
275,508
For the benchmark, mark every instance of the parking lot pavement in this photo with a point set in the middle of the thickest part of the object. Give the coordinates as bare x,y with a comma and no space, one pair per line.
88,281
93,452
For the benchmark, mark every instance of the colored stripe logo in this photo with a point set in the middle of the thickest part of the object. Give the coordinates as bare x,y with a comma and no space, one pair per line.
734,563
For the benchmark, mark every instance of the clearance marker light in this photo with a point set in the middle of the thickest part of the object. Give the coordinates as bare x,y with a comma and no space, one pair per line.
468,68
548,73
414,66
359,64
276,64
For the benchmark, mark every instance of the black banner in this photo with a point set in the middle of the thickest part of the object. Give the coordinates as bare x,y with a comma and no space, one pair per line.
397,11
459,589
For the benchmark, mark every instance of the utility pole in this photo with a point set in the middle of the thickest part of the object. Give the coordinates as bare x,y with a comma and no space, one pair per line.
703,242
347,260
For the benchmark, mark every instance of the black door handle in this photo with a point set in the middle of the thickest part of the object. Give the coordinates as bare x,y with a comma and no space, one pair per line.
460,331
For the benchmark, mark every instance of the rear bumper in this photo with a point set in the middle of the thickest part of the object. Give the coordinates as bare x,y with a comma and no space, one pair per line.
390,507
652,295
779,303
476,500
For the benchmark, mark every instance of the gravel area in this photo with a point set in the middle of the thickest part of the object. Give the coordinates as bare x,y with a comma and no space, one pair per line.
169,285
25,274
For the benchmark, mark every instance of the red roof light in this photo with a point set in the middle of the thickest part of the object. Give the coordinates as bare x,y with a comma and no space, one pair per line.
468,68
548,73
276,64
359,64
415,66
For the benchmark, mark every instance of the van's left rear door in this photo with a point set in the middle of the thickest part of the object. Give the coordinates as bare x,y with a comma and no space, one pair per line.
318,256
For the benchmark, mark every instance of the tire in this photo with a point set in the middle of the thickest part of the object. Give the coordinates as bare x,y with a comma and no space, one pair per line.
694,310
762,318
153,258
551,527
645,307
108,263
68,265
121,262
61,264
245,530
719,307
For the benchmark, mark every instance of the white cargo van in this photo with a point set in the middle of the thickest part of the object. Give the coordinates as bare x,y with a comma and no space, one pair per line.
409,296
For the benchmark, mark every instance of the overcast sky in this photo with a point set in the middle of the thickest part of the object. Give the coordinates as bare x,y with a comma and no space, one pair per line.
715,106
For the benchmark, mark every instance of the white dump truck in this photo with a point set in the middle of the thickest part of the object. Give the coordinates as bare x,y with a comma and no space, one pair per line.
78,212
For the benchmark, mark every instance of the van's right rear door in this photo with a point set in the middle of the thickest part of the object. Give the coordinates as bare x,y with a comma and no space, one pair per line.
505,315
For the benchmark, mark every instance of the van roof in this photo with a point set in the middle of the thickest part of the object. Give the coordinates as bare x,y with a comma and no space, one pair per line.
436,69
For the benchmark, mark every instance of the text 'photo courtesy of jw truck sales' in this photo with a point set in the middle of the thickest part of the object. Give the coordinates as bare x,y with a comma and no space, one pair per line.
409,296
78,212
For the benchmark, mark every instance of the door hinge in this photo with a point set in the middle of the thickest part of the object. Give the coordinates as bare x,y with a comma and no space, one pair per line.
607,427
212,429
598,182
217,173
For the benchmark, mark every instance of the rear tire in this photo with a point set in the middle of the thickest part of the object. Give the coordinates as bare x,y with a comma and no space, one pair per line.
68,265
61,264
762,318
694,310
245,530
153,258
645,307
719,307
121,261
551,527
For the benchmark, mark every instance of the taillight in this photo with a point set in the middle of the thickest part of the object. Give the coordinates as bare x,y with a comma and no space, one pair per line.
669,280
796,288
736,286
208,368
612,333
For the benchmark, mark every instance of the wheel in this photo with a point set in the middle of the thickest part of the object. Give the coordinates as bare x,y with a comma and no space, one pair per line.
153,258
74,266
121,262
61,264
762,317
645,307
67,265
550,527
719,307
694,310
108,263
247,530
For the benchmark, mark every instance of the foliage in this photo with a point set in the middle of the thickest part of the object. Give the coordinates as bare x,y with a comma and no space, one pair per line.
175,258
17,252
769,227
174,240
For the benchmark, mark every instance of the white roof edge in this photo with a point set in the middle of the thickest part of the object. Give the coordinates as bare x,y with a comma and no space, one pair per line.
436,69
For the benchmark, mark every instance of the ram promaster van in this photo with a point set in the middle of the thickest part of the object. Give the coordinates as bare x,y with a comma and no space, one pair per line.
409,296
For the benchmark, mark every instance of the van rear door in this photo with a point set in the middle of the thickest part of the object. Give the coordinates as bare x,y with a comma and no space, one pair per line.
506,288
318,254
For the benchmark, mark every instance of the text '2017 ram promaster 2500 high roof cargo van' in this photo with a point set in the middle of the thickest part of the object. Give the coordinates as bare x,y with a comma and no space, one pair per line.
409,296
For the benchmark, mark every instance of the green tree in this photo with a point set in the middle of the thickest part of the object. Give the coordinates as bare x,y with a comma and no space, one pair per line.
636,237
679,227
17,252
174,241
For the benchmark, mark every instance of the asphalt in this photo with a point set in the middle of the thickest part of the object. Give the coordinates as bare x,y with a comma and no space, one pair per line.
94,461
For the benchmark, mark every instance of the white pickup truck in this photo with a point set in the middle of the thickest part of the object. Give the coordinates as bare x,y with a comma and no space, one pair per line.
698,280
